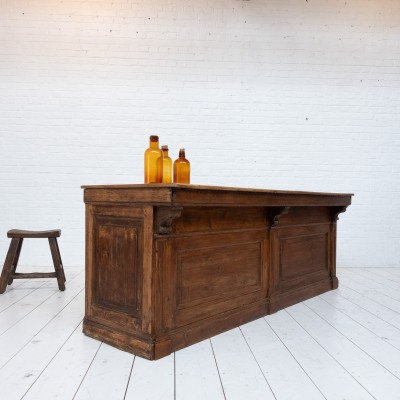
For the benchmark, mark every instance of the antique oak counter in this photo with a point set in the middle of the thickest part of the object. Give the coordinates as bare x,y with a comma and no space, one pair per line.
168,265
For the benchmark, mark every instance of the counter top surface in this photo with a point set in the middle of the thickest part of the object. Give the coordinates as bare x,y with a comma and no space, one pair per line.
219,196
178,186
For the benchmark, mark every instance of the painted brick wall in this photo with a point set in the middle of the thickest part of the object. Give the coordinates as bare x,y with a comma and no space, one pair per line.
284,94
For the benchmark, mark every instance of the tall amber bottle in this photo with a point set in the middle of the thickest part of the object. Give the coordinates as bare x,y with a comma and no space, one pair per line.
152,170
166,165
181,168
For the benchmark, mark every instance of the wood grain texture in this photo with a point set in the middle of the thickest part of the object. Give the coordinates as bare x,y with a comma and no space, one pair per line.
180,194
19,233
170,265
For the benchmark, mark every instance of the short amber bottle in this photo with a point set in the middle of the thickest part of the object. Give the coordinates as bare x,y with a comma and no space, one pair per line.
181,168
152,170
166,165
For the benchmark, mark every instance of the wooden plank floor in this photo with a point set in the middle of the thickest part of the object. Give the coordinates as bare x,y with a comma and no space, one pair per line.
344,344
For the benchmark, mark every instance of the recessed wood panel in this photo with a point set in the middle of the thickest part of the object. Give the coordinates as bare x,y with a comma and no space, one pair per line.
117,264
303,255
215,271
211,274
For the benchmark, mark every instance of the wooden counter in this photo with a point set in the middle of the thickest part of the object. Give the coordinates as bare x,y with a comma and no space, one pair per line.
168,265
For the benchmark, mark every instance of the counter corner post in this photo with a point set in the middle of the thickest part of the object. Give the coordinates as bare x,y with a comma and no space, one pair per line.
335,212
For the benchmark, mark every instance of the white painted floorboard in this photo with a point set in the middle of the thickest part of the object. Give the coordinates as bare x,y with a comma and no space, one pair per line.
240,374
319,364
344,344
195,367
283,372
152,380
108,365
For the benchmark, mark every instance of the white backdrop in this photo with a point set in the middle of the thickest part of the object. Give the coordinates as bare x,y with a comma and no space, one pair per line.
283,94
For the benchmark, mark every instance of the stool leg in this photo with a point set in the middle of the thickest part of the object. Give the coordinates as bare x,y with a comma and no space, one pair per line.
16,259
59,257
9,263
57,263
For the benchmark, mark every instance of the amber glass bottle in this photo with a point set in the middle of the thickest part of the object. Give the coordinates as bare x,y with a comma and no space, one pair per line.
152,170
166,165
181,168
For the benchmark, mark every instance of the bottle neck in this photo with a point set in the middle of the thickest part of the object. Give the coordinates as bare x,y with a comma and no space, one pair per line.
153,145
182,154
165,153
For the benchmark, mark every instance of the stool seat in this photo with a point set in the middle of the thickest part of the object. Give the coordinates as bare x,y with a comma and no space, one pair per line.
9,272
19,233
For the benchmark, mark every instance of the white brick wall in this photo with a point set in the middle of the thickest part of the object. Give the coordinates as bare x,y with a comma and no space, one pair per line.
278,94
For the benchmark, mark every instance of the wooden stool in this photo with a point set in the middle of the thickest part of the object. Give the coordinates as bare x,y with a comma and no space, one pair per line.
10,265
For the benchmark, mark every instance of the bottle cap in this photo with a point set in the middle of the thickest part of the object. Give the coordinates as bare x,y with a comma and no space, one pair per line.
153,138
164,147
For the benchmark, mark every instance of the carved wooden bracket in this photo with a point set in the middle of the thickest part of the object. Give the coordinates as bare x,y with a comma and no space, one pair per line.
275,213
165,217
335,211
